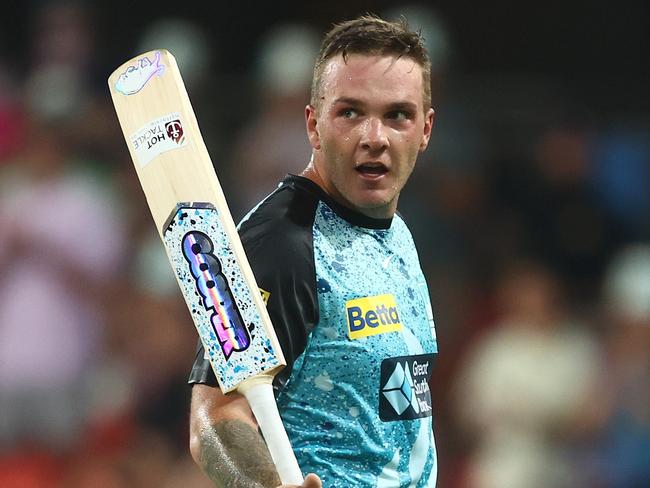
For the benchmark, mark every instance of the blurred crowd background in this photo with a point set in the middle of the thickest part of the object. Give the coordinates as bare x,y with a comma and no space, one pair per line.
531,212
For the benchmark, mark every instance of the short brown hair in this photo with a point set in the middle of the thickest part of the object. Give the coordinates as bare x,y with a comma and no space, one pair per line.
372,35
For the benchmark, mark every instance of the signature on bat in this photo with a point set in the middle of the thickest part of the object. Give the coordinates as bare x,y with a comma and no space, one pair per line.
136,76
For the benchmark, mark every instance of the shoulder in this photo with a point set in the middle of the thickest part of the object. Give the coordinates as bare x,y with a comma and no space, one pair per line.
278,239
284,219
402,231
399,223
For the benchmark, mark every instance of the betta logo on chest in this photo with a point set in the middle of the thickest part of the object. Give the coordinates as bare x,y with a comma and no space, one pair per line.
372,315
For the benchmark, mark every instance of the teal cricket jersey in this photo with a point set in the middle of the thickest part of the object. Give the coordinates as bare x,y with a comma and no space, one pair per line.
351,309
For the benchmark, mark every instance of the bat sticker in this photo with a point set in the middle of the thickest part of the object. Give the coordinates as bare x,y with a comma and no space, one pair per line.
213,286
221,303
158,136
136,76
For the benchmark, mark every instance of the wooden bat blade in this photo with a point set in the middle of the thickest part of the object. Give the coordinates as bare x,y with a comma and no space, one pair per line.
192,218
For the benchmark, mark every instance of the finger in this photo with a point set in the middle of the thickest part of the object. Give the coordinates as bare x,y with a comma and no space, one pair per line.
312,481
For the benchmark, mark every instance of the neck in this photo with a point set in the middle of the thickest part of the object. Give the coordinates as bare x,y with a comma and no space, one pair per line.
311,173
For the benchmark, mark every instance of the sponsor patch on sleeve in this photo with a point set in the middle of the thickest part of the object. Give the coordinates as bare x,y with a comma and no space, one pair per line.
404,388
265,296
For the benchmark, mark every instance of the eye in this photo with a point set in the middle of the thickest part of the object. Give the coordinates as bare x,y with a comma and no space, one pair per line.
349,113
399,115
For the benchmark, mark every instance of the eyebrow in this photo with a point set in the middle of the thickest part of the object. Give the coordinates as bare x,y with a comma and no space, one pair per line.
401,105
408,106
348,101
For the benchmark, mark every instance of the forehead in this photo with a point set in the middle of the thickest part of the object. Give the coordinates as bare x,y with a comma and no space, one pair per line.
372,78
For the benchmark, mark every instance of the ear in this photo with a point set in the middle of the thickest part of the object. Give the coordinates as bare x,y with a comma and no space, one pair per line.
312,129
429,120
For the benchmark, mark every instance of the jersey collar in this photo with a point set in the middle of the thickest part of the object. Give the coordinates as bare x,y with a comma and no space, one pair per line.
346,213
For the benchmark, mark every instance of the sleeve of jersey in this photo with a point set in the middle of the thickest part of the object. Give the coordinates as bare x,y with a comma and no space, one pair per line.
280,252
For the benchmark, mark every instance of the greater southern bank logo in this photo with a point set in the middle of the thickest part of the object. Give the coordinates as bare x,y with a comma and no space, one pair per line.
372,315
404,387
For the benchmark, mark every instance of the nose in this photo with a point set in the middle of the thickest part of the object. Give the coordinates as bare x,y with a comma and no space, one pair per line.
374,137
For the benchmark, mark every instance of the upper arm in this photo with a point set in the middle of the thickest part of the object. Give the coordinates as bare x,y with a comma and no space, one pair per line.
210,406
280,252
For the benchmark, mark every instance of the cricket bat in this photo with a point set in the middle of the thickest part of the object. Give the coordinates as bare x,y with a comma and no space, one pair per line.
192,217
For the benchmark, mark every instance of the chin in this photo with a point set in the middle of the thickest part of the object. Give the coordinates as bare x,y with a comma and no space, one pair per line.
376,199
375,207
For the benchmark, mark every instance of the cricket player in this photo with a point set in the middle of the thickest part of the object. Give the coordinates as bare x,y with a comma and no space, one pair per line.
343,284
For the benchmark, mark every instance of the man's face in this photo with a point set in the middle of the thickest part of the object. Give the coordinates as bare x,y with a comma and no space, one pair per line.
368,130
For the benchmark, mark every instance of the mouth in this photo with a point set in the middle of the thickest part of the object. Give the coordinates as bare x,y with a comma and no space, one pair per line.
371,169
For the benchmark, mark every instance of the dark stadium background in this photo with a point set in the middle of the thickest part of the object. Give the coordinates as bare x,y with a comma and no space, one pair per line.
532,206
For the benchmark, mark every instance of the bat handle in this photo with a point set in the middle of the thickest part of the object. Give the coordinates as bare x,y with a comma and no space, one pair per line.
259,393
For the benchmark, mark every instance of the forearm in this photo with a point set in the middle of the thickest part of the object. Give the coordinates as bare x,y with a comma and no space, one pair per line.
234,455
229,449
